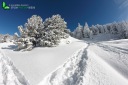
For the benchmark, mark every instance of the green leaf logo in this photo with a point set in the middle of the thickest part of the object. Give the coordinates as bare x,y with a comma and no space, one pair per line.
4,6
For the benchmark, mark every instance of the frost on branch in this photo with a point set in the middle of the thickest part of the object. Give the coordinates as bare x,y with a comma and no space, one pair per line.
38,33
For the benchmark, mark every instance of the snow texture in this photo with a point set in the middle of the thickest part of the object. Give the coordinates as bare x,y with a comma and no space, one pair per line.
9,74
88,67
99,61
39,62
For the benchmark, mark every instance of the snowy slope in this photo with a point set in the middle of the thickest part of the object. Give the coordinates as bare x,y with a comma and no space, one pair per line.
100,72
100,61
115,53
85,68
9,75
92,66
39,62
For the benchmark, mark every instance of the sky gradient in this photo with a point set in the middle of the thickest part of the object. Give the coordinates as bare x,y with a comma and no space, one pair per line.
73,11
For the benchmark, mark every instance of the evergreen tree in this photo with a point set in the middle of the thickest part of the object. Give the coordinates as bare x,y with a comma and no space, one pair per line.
78,33
86,31
39,33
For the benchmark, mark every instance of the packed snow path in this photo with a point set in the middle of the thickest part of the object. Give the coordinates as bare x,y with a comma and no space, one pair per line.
89,67
96,63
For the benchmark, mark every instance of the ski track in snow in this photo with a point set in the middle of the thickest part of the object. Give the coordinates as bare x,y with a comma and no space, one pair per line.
118,57
99,63
71,73
39,62
85,68
9,75
101,73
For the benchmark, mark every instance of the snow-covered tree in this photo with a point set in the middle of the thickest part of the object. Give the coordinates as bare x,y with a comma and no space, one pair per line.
113,28
101,28
55,22
91,34
105,29
29,33
86,31
16,36
124,30
38,33
108,27
57,25
78,32
119,28
95,30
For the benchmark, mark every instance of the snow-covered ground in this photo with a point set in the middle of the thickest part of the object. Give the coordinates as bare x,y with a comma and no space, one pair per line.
39,62
115,53
92,66
100,61
9,74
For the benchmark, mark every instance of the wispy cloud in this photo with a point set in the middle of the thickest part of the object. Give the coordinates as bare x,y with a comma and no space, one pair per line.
123,7
118,1
122,3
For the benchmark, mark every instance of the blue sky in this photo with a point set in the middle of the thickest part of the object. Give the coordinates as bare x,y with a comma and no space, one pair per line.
73,11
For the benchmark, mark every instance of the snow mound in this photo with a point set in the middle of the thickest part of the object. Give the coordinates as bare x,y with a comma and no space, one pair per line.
68,40
9,75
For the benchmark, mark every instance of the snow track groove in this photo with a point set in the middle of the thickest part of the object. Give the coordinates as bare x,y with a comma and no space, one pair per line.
9,75
71,73
99,72
112,48
116,57
85,67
